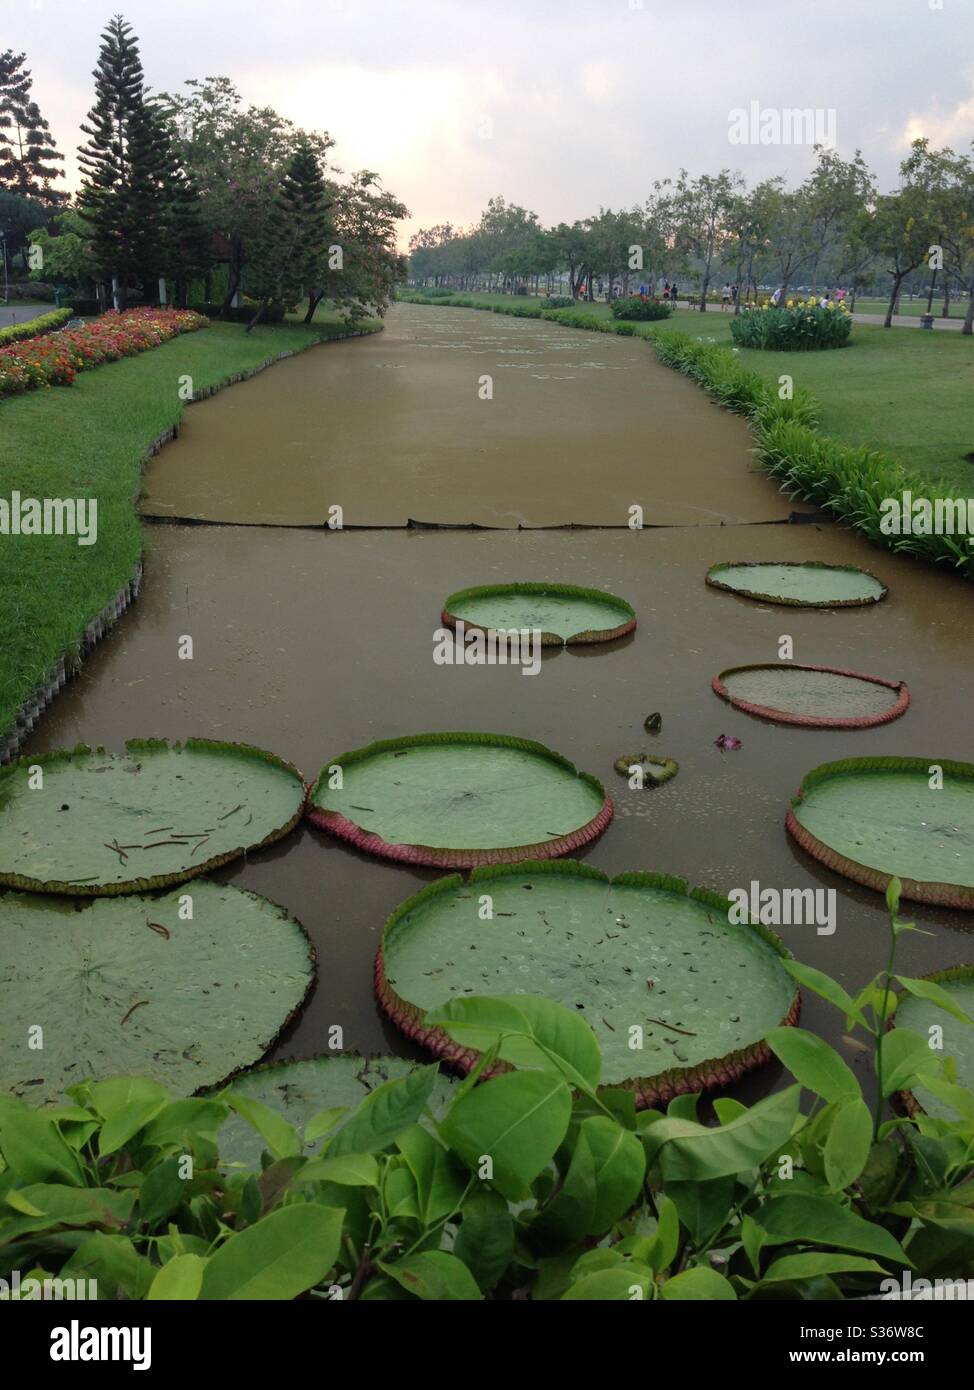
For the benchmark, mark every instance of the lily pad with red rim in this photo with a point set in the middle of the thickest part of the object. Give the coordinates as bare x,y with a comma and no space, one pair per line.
873,819
300,1090
921,1015
562,613
817,697
640,951
798,583
459,800
87,822
131,986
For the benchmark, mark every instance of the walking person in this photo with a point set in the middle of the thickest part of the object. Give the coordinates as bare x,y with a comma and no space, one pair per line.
725,297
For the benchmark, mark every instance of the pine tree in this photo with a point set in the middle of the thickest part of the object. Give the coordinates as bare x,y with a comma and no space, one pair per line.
29,159
306,227
124,166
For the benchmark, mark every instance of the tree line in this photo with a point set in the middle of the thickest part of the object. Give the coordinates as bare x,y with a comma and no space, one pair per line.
185,192
835,228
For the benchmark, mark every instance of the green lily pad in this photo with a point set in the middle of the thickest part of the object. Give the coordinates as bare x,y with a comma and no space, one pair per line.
562,613
300,1090
636,952
457,800
873,819
920,1015
800,584
125,986
102,824
813,696
655,770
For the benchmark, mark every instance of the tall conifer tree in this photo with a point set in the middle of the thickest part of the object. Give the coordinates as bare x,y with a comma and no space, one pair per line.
29,159
124,166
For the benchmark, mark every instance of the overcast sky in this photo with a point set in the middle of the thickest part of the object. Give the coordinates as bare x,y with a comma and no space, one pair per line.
561,105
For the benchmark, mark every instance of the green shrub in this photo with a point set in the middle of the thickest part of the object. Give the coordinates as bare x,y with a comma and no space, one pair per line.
804,328
34,328
559,301
848,481
635,306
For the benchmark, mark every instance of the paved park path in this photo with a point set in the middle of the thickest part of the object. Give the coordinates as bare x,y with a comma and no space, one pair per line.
21,313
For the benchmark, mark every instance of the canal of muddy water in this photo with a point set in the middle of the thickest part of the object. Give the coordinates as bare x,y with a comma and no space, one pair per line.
311,642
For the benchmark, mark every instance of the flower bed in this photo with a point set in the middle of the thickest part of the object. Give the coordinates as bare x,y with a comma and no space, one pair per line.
55,360
801,327
640,306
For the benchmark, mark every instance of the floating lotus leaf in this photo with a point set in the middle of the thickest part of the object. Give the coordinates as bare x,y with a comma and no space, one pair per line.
457,800
562,613
919,1015
655,770
800,584
104,824
125,986
874,819
300,1090
823,697
637,951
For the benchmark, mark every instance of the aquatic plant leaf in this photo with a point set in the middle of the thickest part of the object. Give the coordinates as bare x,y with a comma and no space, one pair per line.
874,819
813,696
562,613
301,1090
457,800
799,583
185,1008
91,823
920,1015
639,951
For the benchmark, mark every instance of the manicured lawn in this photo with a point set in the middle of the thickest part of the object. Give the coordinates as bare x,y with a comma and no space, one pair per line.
903,392
958,307
87,440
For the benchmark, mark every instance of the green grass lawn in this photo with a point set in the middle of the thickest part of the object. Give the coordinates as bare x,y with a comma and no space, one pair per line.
907,394
88,440
914,307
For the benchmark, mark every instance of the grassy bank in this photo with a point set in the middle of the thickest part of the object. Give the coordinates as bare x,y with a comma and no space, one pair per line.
88,440
903,393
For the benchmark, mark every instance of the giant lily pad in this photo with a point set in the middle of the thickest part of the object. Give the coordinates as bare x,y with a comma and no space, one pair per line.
873,819
800,584
920,1015
823,697
301,1090
127,986
458,800
562,613
636,952
102,824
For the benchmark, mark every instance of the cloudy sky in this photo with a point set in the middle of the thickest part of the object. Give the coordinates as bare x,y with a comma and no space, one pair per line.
561,105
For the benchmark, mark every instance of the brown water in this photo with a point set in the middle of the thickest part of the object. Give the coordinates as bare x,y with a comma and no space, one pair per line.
581,427
314,643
